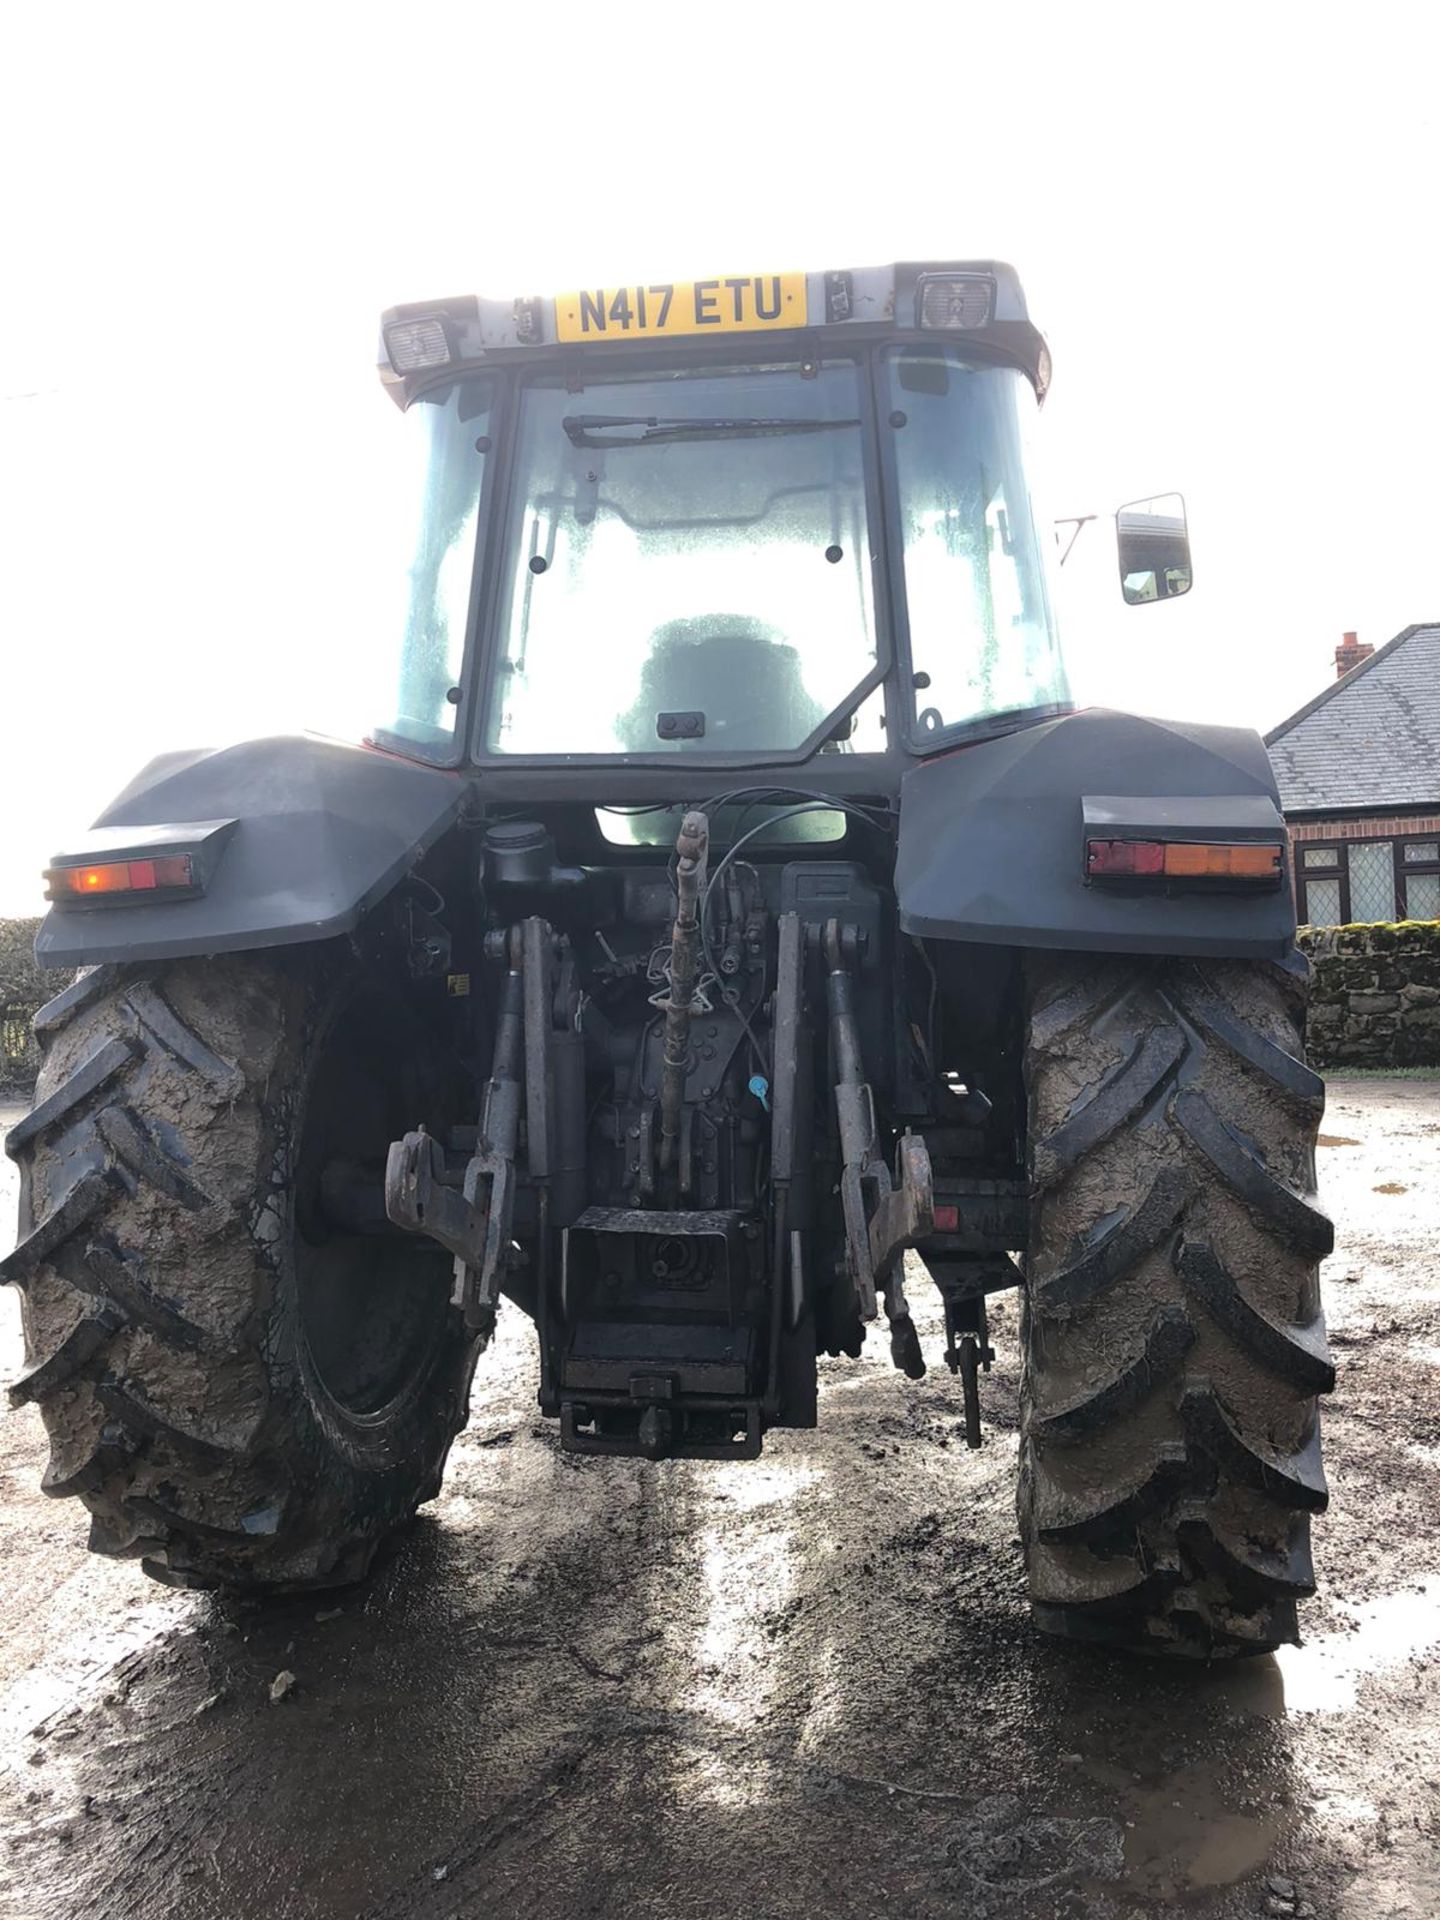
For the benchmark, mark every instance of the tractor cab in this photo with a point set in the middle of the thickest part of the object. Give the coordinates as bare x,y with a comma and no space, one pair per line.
745,521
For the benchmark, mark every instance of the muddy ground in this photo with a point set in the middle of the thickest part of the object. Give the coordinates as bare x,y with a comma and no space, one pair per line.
800,1687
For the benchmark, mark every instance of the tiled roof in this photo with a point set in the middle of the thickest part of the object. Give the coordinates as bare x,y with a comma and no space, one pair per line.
1371,739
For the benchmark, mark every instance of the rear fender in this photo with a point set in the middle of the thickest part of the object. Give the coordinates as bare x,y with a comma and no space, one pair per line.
992,838
321,831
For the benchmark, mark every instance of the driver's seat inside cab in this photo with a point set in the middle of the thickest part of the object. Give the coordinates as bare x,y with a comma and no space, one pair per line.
729,680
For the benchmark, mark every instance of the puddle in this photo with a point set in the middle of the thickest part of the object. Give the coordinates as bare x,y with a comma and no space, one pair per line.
1322,1677
1184,1838
1253,1686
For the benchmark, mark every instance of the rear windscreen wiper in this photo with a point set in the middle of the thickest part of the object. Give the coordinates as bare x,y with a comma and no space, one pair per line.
593,429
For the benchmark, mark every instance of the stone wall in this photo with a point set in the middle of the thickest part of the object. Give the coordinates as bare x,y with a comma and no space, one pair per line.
23,989
1377,994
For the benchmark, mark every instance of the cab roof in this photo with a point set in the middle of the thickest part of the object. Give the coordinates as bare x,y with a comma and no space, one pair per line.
980,300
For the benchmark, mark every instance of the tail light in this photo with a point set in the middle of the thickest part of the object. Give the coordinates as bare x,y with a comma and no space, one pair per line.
1243,863
118,866
172,873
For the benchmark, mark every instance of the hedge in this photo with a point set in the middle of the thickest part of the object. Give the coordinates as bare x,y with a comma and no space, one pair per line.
24,989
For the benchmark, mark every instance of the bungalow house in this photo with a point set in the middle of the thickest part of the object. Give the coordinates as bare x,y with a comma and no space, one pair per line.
1359,774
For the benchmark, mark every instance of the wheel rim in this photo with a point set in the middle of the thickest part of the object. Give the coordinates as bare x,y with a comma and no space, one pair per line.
374,1307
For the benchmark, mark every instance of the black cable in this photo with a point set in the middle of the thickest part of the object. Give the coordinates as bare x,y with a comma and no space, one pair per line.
766,1067
876,814
418,880
731,998
810,802
789,813
877,817
929,965
786,813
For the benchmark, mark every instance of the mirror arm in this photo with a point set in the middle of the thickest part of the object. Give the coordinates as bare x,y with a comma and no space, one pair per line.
1078,521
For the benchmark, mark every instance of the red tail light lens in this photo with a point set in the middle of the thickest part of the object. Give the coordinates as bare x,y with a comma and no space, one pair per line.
1123,859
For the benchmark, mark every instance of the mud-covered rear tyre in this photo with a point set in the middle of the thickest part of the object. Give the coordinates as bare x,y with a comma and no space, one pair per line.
241,1396
1173,1340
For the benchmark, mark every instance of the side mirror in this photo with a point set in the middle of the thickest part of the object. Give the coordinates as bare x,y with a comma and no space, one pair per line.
1154,543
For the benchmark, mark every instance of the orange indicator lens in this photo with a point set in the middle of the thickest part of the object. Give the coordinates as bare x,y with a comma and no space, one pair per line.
122,876
114,878
1248,861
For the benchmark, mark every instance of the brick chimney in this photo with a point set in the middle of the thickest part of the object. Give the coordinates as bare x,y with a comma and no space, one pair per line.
1349,654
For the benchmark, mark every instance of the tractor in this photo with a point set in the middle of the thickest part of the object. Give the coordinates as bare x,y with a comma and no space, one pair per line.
727,924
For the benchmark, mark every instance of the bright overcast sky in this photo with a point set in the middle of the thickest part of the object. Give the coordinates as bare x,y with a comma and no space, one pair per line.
1224,217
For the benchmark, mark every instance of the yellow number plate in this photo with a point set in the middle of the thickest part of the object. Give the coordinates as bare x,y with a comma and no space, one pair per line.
741,303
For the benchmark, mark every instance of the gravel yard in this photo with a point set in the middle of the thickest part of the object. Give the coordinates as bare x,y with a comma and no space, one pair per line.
797,1687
